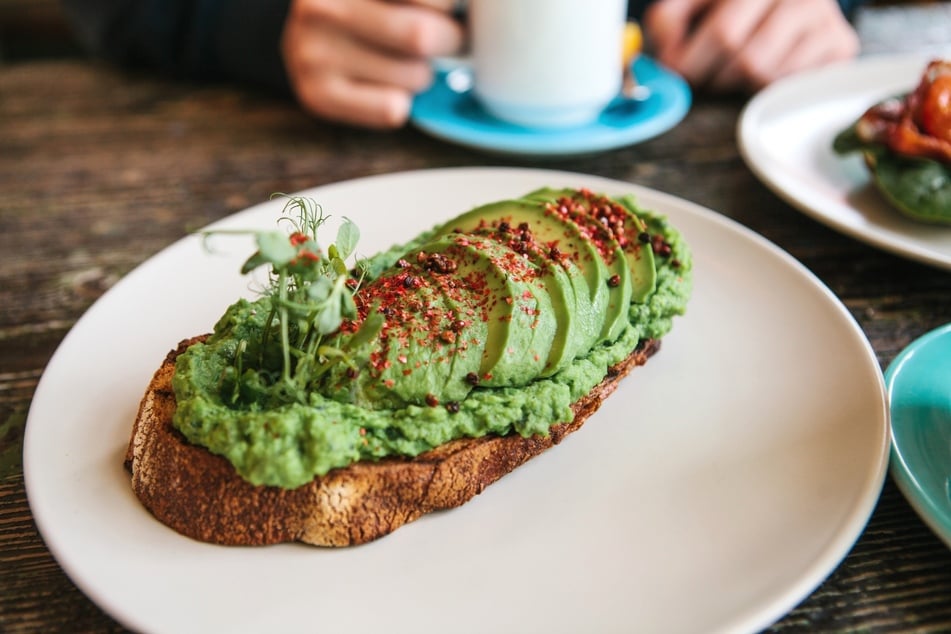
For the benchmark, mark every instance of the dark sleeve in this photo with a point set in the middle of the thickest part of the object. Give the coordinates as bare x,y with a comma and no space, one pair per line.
636,8
849,6
201,39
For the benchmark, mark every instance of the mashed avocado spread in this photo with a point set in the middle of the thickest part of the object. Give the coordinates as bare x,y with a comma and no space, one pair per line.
493,323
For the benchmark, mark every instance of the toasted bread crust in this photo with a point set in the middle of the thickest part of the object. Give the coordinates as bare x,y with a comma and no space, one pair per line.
199,494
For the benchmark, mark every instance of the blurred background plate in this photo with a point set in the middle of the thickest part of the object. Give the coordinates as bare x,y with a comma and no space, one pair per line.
919,388
785,135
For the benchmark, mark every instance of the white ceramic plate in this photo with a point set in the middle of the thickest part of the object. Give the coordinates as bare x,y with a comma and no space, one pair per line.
785,135
716,489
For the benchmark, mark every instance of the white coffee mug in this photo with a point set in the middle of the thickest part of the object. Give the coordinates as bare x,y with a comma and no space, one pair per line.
546,63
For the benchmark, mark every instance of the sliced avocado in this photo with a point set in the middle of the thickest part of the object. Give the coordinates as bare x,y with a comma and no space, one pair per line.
578,258
544,326
637,252
555,282
467,334
503,296
547,194
584,209
409,362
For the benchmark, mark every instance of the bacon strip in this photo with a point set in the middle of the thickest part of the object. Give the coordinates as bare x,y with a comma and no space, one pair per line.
917,125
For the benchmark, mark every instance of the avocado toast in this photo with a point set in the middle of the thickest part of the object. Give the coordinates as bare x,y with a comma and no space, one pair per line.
458,357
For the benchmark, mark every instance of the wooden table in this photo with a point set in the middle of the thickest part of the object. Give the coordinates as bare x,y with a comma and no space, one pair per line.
99,170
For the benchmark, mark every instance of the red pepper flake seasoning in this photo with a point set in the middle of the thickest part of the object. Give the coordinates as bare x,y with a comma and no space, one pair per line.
504,227
472,378
412,282
595,218
531,259
452,407
363,431
348,326
401,263
352,373
401,358
439,263
660,246
389,383
304,254
298,238
614,281
431,400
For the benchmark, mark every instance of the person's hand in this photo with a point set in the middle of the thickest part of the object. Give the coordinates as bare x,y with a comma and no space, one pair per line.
361,61
727,45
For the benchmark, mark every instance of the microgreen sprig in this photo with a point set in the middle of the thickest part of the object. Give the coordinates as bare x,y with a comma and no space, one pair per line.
311,294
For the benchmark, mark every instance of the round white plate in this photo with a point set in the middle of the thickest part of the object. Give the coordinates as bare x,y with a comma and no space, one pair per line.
715,490
785,135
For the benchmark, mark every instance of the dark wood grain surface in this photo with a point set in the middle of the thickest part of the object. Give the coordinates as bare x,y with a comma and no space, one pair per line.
100,169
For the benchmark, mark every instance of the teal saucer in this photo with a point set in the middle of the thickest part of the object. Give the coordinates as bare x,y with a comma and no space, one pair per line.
919,389
456,116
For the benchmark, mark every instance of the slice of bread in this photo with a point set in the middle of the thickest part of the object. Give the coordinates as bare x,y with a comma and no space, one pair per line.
200,495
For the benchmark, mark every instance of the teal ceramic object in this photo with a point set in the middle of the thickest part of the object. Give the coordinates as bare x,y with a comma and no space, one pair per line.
919,389
456,116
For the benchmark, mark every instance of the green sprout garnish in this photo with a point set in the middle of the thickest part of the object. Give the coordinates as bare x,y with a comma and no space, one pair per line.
311,294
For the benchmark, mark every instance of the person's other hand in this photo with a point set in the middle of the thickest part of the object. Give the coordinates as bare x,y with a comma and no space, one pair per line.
361,61
727,45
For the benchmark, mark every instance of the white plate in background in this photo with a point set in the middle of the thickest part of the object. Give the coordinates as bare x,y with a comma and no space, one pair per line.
785,135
